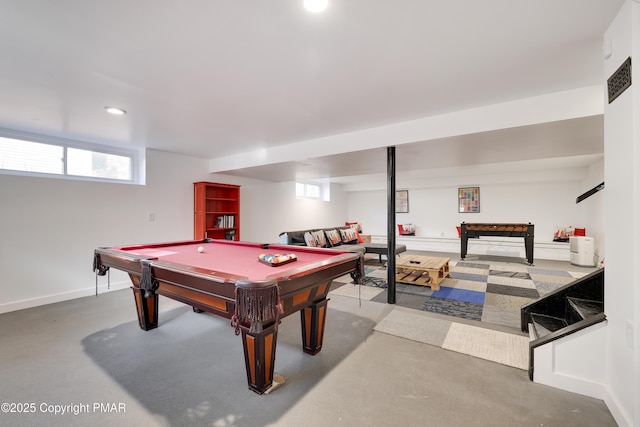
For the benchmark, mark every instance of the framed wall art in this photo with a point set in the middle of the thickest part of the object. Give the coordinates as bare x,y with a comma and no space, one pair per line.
469,199
402,201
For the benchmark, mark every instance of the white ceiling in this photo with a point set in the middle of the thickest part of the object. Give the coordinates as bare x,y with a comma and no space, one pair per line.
214,78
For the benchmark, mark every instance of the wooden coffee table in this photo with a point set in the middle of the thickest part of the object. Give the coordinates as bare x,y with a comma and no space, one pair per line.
422,270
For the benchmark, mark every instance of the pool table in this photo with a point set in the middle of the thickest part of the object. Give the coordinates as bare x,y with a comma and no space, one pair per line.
227,278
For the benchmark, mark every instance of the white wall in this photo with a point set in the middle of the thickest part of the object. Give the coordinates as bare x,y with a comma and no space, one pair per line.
622,214
267,209
434,211
76,217
592,208
50,227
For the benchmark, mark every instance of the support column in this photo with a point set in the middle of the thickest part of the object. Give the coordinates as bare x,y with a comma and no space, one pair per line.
391,225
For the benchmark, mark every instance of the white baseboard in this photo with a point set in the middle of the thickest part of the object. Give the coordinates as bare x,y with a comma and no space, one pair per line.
622,417
50,299
497,246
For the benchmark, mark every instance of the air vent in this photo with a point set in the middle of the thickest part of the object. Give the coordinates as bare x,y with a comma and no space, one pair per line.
619,81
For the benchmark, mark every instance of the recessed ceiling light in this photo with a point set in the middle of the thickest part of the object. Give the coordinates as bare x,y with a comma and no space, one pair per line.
116,111
315,6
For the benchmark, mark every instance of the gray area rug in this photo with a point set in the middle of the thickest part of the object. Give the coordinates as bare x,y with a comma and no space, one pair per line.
491,292
500,347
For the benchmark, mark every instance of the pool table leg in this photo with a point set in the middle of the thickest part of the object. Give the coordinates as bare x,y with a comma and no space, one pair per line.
259,357
312,319
147,309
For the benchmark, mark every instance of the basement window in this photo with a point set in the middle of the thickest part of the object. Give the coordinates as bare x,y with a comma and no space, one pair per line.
312,191
35,155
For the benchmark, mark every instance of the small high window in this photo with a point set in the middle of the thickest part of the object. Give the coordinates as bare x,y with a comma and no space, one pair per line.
98,165
28,156
312,191
39,156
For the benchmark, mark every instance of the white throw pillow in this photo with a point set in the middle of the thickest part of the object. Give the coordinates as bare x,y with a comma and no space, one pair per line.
310,240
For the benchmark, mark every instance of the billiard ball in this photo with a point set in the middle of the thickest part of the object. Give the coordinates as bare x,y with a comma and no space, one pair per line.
200,249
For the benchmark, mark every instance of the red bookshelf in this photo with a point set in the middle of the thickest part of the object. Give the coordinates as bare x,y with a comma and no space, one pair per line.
216,211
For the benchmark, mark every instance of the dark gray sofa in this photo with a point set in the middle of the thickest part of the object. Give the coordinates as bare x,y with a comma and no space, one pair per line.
296,238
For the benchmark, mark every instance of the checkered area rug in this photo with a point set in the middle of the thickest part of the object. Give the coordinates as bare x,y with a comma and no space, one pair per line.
491,292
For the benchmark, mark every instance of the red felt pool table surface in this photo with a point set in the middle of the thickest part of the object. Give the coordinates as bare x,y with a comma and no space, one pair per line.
236,258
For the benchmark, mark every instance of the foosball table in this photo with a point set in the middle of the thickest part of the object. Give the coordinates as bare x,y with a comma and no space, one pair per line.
471,230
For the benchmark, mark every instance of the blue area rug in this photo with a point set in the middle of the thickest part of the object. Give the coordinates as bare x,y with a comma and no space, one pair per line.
459,295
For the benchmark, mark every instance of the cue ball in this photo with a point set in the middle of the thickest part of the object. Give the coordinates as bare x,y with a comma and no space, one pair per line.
200,249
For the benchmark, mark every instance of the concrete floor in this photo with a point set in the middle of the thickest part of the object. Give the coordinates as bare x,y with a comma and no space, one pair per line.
190,371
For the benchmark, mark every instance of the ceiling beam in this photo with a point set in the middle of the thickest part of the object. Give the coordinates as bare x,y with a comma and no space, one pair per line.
576,103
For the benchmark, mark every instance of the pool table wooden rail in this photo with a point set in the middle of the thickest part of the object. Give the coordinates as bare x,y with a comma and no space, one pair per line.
213,285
